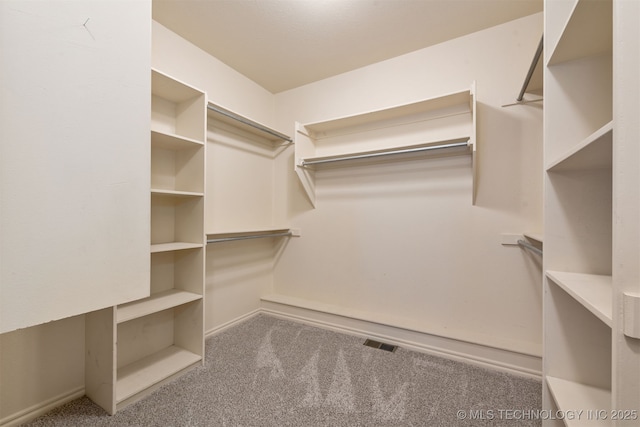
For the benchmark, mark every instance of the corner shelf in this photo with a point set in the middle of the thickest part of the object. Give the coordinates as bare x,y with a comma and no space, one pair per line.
443,125
591,290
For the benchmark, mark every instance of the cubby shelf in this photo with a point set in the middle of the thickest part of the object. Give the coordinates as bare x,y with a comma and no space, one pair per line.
174,193
168,141
587,32
173,246
571,396
442,125
591,290
138,376
153,304
593,152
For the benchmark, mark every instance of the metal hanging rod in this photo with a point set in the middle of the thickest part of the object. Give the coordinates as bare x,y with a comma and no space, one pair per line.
529,246
532,67
370,155
248,122
252,236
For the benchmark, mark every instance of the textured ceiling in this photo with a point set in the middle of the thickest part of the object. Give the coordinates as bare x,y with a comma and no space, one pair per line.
282,44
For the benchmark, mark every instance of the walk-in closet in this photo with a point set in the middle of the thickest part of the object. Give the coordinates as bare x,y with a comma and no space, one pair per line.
320,212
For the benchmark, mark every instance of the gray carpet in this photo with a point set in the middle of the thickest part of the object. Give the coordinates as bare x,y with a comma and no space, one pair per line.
270,372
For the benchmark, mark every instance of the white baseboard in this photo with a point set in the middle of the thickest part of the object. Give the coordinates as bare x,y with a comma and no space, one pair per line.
322,316
217,329
41,408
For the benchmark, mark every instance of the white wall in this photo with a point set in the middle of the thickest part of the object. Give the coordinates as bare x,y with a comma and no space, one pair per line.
74,192
401,242
74,126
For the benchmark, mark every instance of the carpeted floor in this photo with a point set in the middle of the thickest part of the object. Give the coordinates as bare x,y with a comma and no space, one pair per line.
271,372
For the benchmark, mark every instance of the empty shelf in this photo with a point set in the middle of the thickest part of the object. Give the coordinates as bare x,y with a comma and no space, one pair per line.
573,396
154,303
146,372
173,246
591,290
594,152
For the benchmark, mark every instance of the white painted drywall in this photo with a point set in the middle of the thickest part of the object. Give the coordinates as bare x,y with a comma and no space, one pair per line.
402,240
74,159
74,207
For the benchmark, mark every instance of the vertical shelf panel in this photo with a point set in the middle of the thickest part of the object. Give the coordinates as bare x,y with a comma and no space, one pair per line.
579,130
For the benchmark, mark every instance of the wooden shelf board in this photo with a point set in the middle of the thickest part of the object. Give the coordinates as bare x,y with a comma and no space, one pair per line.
146,372
170,141
588,32
441,102
172,89
173,246
175,193
379,155
594,152
572,396
591,290
153,304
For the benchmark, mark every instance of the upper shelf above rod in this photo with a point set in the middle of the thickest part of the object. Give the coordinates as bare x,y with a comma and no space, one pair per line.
246,124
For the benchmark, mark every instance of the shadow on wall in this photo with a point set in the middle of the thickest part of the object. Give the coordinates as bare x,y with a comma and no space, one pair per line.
510,158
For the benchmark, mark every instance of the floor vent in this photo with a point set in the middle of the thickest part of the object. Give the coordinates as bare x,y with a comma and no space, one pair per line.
380,345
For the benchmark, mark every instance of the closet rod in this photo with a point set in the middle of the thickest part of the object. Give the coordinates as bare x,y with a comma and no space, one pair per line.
530,247
253,236
248,122
532,67
385,153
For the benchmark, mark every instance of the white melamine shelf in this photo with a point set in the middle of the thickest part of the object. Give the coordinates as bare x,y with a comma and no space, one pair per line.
382,115
171,89
153,304
591,290
593,152
572,396
175,142
587,32
173,246
146,372
175,193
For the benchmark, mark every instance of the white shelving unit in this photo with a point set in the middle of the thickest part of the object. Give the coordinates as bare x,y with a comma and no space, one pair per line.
589,363
441,126
135,347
